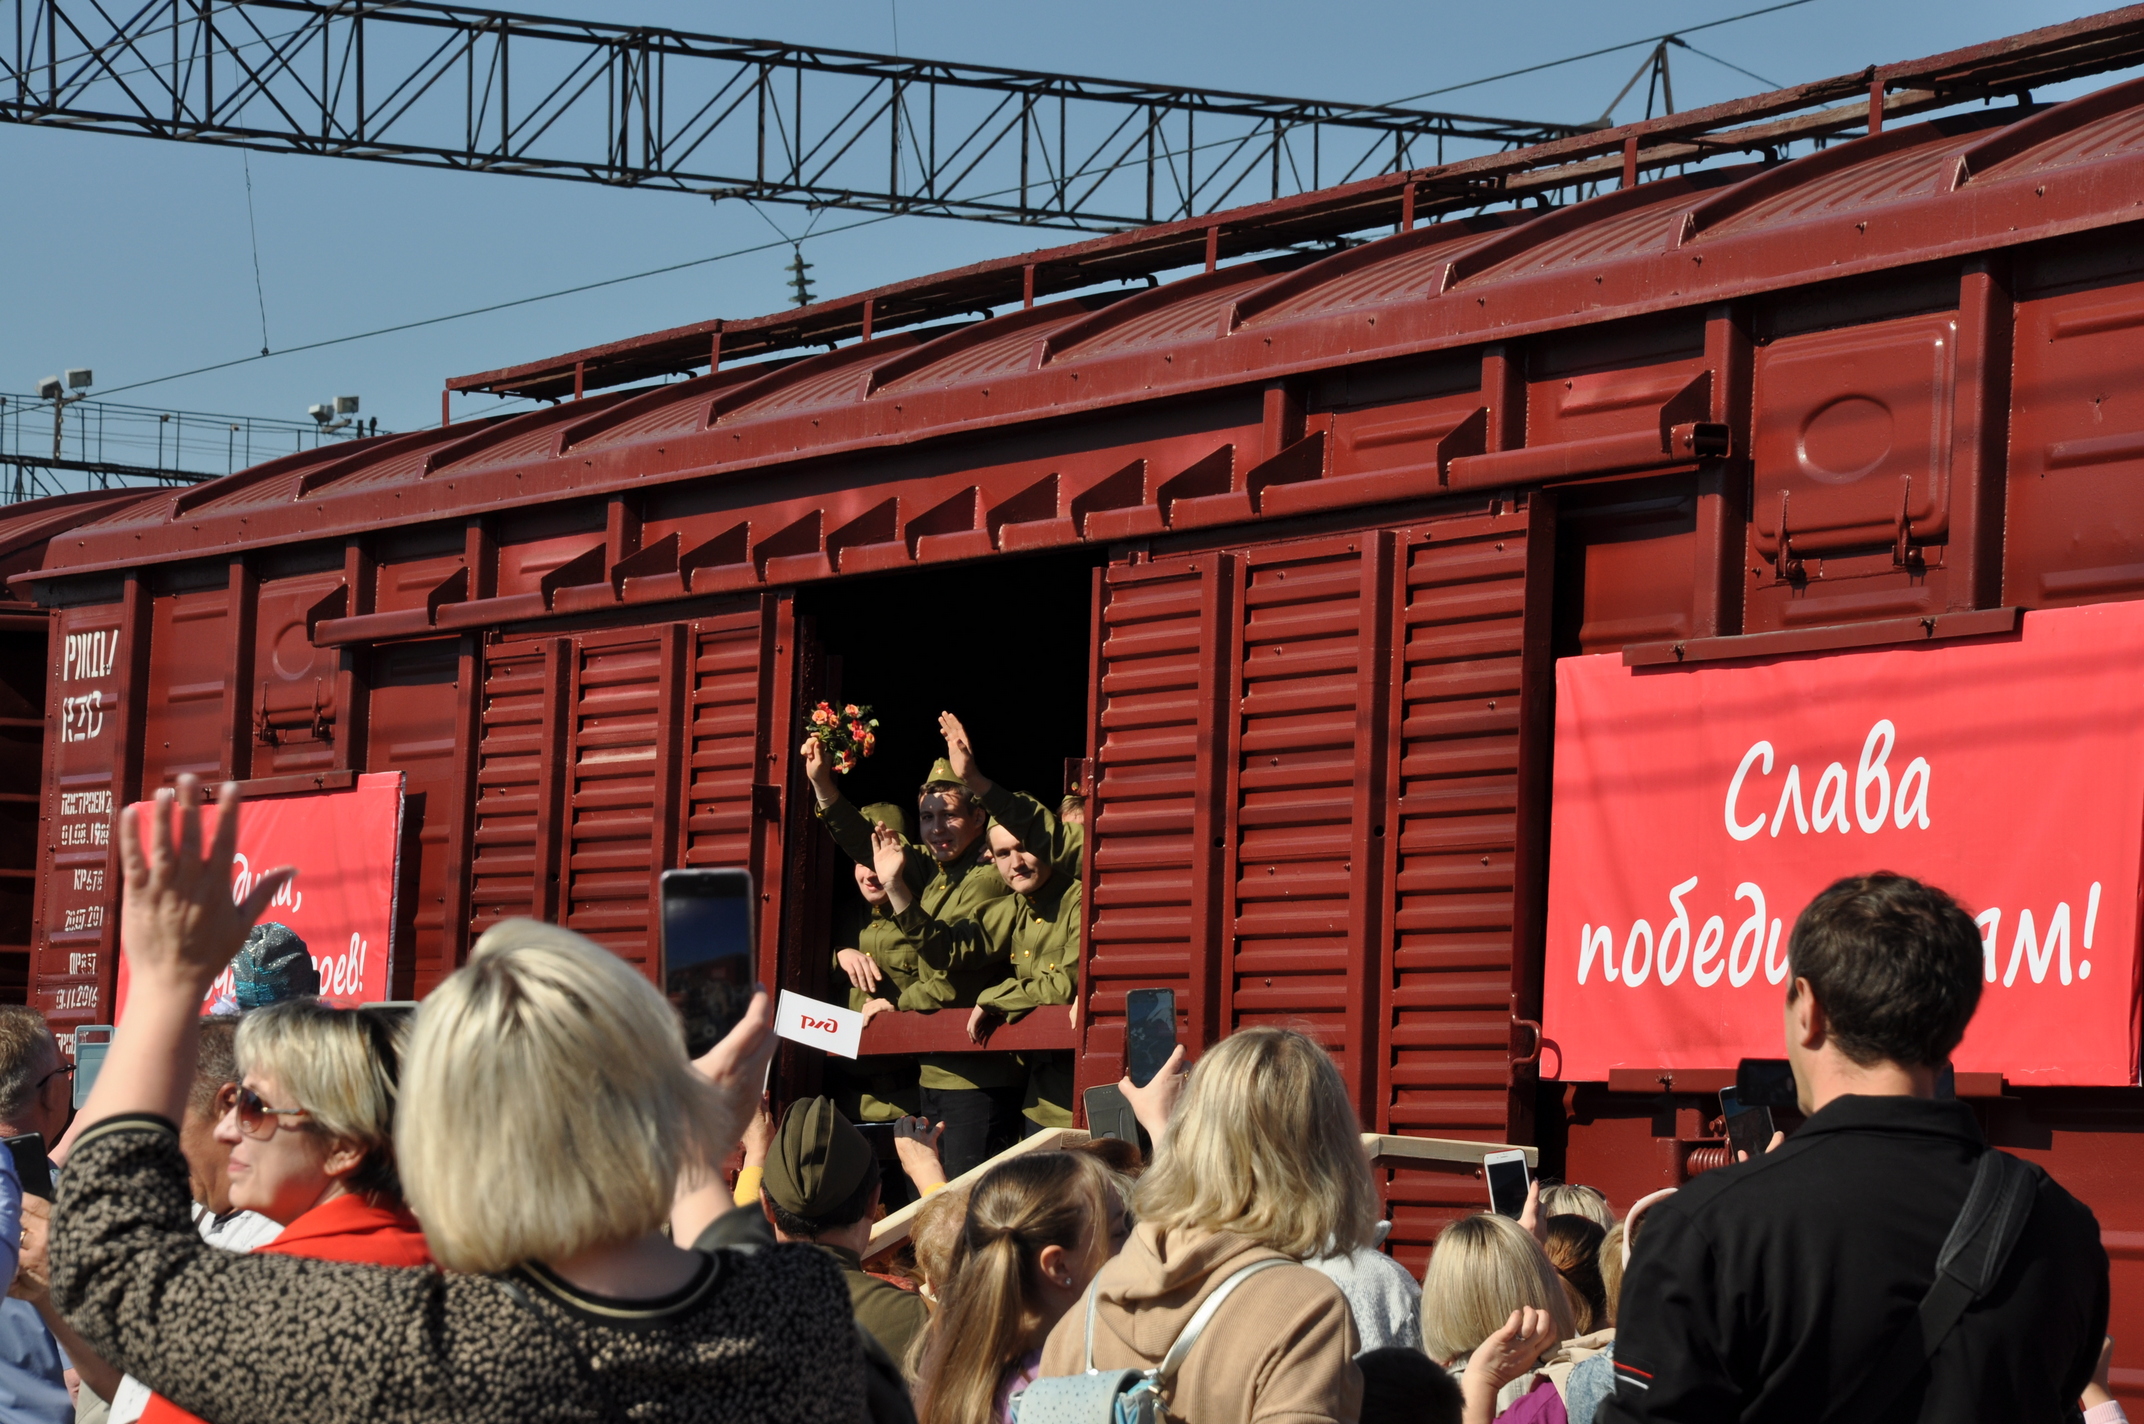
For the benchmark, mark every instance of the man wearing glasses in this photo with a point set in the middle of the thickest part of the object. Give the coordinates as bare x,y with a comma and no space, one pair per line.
35,1097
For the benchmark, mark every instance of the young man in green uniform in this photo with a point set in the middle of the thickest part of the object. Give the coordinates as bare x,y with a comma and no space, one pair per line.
874,958
1034,930
976,1096
821,1183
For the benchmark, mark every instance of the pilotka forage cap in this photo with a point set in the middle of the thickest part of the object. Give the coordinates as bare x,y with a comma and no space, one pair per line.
942,774
273,966
885,813
817,1160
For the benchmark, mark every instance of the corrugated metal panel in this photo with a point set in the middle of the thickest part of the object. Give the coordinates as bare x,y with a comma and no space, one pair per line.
727,741
1306,848
513,856
1460,653
621,785
1155,823
1459,661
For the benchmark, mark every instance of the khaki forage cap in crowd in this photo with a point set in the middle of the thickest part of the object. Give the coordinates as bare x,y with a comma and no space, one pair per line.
818,1159
942,774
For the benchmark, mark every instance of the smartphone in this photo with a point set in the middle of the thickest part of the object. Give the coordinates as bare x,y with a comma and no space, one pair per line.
880,1135
1765,1083
91,1043
1109,1114
1508,1179
1748,1129
707,949
31,1165
1149,1032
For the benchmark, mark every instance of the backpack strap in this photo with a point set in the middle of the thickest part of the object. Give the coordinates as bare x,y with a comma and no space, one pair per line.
1165,1373
1997,1206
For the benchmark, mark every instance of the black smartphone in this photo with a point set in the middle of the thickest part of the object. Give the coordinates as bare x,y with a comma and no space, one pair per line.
31,1164
1149,1032
1508,1180
1765,1083
1748,1129
1109,1114
707,948
880,1135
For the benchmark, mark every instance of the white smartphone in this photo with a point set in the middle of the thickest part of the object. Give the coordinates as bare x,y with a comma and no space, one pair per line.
1507,1182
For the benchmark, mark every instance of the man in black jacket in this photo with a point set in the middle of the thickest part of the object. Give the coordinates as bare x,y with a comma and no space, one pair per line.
1773,1290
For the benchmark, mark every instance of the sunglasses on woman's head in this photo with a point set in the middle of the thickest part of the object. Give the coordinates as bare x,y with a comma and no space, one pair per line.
257,1119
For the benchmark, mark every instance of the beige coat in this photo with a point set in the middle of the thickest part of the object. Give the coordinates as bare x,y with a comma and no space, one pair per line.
1280,1349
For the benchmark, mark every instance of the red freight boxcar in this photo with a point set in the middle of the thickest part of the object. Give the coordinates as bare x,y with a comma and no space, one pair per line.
1280,556
25,530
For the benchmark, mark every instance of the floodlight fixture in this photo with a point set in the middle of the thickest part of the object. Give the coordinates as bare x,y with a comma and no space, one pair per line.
321,413
49,388
346,405
78,378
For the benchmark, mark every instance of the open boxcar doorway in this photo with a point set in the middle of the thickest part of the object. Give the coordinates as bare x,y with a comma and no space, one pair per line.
1004,645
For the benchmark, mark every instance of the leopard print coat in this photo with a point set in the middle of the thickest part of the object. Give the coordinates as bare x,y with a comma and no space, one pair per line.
267,1339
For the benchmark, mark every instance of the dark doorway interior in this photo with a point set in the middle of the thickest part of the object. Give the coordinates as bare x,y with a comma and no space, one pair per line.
1001,643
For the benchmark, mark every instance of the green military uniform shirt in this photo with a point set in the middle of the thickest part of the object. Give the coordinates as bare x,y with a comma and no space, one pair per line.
1037,935
888,1314
948,893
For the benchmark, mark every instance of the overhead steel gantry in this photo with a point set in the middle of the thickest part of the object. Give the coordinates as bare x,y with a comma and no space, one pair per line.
446,86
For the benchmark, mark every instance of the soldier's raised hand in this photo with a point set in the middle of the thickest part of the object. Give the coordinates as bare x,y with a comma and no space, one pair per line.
889,858
818,769
961,753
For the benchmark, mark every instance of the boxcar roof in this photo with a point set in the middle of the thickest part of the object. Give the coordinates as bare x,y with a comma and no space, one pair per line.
1914,193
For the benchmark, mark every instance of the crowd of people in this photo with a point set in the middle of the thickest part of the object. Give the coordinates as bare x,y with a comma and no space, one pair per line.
516,1203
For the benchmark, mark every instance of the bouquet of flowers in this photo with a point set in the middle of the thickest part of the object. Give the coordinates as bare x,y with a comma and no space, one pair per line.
848,733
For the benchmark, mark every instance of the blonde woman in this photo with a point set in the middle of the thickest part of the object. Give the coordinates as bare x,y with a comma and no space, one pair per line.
322,1167
548,1111
1492,1305
1035,1233
1261,1161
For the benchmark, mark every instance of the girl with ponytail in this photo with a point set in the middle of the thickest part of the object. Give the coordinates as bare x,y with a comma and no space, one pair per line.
1038,1228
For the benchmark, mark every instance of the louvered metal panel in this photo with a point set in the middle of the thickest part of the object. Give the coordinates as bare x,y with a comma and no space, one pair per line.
622,787
1157,831
1459,665
1468,753
1304,836
513,865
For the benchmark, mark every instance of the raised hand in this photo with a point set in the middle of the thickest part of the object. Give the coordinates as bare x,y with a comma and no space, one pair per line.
177,923
915,1142
819,770
1528,1335
737,1066
961,753
889,858
1153,1103
1530,1215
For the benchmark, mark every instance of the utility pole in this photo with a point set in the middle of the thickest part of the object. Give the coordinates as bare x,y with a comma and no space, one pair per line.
78,379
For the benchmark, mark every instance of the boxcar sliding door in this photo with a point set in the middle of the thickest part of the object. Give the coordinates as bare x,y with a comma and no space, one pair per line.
606,757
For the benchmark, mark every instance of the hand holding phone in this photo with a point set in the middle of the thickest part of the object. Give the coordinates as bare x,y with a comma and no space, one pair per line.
32,1166
1508,1181
1749,1130
707,954
1149,1033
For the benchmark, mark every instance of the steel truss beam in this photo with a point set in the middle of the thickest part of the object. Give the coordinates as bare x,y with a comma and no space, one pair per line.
446,86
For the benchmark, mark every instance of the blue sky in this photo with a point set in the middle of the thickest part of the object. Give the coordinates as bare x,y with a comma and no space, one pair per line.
131,256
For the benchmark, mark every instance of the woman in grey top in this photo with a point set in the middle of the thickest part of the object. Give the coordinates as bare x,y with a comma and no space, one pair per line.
549,1113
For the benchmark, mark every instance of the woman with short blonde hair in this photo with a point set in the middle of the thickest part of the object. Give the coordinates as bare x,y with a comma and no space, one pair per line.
1262,1162
547,1112
1483,1268
549,1125
341,1064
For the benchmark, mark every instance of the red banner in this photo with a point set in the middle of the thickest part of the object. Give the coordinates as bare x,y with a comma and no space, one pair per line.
341,902
1698,809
